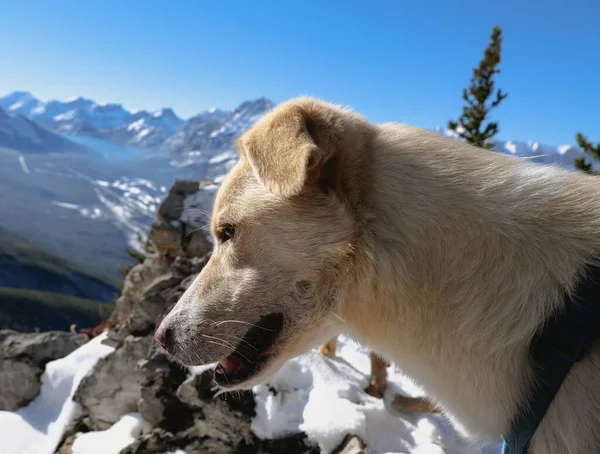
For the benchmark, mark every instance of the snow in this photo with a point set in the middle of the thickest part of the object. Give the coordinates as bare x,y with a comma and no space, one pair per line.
38,427
112,440
325,398
69,206
562,149
23,164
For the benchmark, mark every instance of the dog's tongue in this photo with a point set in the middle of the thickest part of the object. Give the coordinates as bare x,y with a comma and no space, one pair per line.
231,365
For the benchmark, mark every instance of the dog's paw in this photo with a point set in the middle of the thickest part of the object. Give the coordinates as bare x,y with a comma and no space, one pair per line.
375,390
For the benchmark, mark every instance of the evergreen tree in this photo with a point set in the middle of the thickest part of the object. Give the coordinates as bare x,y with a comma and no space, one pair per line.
593,151
469,125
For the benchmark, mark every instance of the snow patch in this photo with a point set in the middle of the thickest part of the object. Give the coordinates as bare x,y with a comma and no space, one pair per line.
23,164
69,206
39,427
112,440
325,398
563,149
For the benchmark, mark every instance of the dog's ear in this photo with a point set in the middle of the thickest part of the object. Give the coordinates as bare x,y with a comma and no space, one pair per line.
287,148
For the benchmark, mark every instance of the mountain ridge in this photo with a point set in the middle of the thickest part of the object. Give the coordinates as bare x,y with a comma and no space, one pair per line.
206,134
26,136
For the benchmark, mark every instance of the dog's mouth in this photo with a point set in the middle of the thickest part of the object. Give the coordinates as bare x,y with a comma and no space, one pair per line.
251,354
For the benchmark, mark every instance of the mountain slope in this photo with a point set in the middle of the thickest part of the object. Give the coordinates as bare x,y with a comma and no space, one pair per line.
25,265
25,310
23,135
82,116
212,133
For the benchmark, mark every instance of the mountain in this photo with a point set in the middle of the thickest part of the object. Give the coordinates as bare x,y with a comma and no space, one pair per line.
208,137
26,136
92,209
561,155
25,310
82,116
25,265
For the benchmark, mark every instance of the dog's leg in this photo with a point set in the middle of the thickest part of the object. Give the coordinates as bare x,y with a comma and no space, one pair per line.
328,348
409,405
378,380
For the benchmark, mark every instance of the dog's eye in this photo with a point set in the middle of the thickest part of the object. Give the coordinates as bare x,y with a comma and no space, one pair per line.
226,233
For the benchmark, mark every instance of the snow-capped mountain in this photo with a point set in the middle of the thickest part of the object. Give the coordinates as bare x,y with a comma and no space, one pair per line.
211,134
205,140
82,116
25,136
561,155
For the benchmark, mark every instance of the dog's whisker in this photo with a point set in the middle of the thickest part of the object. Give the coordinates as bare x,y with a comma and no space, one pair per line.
337,316
228,344
243,322
241,340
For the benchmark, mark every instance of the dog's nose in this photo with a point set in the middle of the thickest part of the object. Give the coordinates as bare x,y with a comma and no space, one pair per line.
164,336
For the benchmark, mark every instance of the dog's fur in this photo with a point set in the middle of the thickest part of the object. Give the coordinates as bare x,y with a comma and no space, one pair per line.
443,257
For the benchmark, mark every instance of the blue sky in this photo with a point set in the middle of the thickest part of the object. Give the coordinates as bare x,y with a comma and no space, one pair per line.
390,60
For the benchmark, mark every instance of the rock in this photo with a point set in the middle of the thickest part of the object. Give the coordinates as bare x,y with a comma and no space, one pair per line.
351,444
166,281
192,419
113,388
66,444
19,383
159,405
195,242
23,357
171,208
142,319
166,239
40,347
136,284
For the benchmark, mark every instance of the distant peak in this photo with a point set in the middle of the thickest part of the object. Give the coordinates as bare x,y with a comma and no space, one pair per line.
166,112
21,94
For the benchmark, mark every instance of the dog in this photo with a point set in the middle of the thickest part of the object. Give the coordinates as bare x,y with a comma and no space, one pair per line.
443,257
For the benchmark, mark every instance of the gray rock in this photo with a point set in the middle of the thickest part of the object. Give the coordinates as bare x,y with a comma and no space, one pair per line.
183,413
171,208
136,284
163,282
113,388
142,319
159,405
351,444
40,347
22,360
19,383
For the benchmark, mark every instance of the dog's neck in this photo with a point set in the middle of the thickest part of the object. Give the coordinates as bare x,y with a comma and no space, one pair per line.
465,252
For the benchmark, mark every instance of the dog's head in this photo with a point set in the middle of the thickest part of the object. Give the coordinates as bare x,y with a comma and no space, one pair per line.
284,231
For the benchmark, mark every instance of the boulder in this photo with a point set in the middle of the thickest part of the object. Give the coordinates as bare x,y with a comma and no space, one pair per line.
171,208
181,412
136,284
113,388
23,357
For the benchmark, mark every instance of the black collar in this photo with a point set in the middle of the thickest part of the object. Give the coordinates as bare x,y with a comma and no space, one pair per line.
560,343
